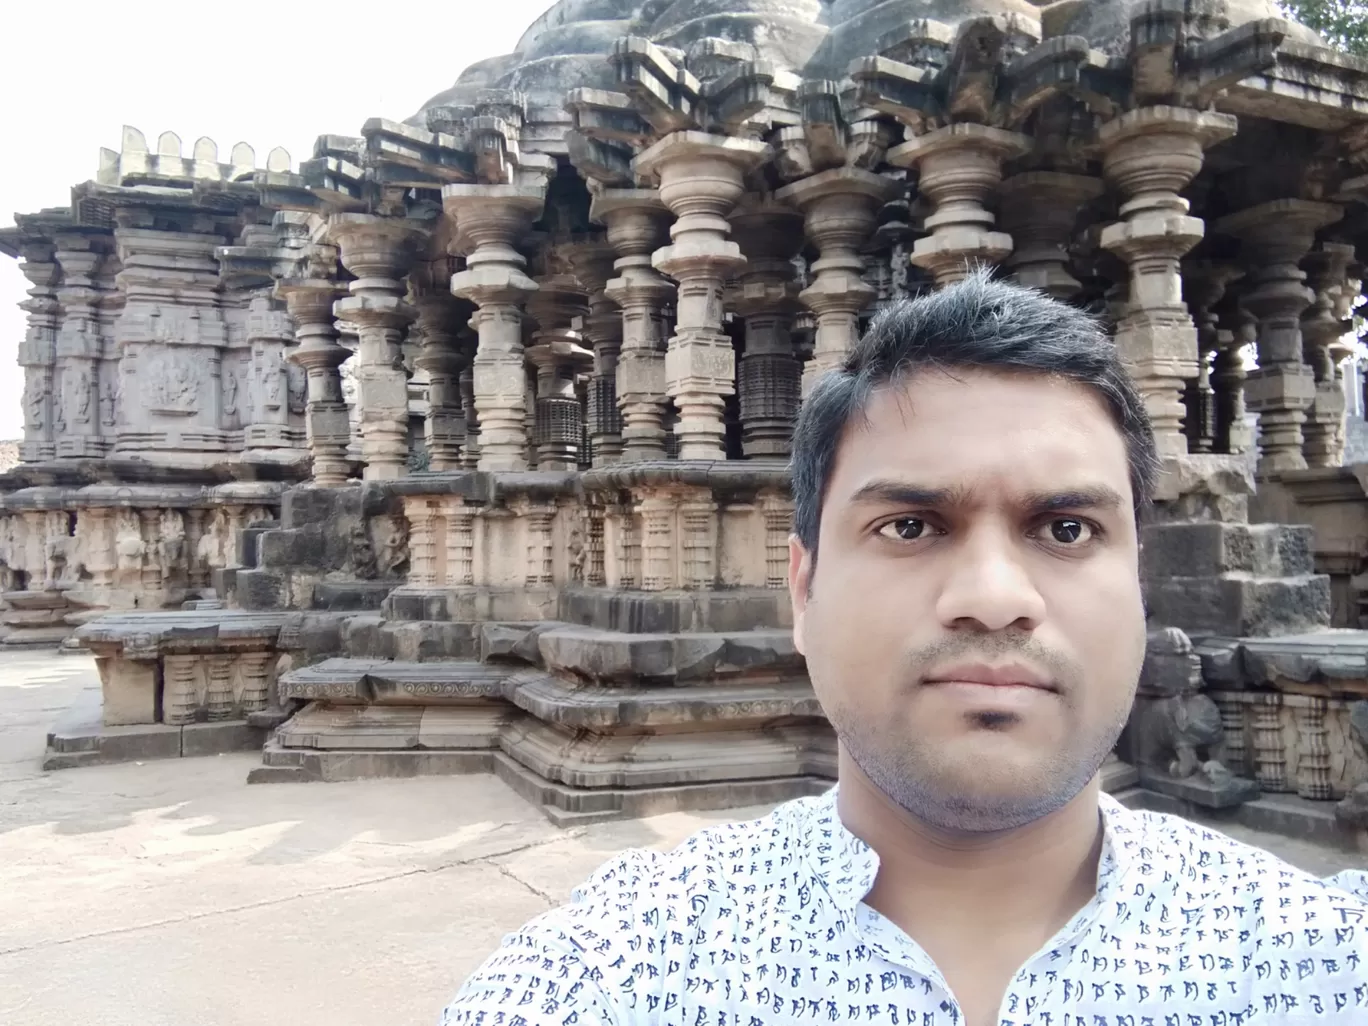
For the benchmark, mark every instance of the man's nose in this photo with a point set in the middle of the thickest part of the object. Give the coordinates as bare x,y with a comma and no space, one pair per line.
988,584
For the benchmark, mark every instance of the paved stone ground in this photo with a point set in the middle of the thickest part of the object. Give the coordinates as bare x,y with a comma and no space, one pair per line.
170,893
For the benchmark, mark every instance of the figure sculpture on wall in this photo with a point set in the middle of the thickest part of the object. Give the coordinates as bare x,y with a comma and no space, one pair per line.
34,397
298,386
1353,809
391,551
171,544
1179,737
83,396
174,386
363,553
577,553
129,547
230,392
109,403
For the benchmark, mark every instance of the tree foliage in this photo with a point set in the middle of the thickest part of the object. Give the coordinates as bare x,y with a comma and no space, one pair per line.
1344,23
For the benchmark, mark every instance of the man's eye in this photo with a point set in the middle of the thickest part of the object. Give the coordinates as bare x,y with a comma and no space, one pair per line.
904,529
1070,531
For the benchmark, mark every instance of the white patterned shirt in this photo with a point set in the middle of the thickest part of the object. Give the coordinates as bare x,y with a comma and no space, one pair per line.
761,923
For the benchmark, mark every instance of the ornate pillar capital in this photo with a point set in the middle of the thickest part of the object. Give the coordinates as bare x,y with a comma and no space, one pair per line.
490,221
765,296
702,176
1150,154
635,220
310,304
379,251
840,208
1040,210
959,167
1275,237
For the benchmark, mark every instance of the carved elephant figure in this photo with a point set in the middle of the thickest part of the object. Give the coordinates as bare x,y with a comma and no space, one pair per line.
1190,726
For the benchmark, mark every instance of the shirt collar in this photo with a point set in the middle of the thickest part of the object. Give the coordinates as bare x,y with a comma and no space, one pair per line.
847,866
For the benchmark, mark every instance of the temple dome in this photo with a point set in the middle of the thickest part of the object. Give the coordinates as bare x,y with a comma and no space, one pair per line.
858,25
567,46
785,31
1106,23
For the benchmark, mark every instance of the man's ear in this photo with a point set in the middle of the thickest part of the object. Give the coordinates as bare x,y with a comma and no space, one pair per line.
799,582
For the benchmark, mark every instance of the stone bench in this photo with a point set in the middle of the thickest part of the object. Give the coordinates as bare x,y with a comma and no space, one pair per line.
187,667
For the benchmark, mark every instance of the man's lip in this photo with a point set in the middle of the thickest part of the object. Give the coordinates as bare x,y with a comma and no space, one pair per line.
1007,675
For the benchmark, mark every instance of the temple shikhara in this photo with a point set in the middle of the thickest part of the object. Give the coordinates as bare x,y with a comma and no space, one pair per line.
461,444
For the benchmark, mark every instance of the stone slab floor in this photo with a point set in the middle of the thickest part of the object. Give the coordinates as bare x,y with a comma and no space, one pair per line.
171,894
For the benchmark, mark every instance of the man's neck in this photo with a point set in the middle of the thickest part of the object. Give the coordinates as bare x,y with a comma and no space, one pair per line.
1033,878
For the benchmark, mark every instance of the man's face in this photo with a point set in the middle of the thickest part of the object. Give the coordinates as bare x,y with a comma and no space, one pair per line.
974,627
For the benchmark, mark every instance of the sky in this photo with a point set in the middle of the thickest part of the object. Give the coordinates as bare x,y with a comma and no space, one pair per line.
271,76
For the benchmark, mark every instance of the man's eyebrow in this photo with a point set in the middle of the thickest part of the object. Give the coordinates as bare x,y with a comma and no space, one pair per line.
1098,497
903,493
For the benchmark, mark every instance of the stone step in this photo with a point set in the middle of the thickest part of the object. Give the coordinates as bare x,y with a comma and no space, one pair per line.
345,596
389,682
248,546
1240,605
1211,548
569,704
371,636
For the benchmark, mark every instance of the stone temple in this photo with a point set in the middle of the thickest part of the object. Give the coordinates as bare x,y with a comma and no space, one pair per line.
461,444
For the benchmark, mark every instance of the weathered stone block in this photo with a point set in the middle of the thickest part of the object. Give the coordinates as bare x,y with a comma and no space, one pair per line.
1237,606
1195,549
214,738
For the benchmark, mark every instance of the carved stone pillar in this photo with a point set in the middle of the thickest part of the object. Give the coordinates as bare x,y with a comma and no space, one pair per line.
558,357
701,178
593,262
76,394
38,353
658,556
1204,283
269,337
441,318
960,166
490,221
1270,760
470,454
1276,237
635,220
1237,329
379,251
1323,324
1040,211
840,207
310,303
1150,155
766,298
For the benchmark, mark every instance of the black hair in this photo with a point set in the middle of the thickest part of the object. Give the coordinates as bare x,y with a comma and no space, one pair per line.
975,324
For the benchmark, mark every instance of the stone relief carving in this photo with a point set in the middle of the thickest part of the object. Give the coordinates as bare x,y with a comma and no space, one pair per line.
272,371
109,403
391,549
33,402
171,543
1180,737
59,421
298,384
230,392
577,553
1353,810
82,392
363,553
173,386
129,548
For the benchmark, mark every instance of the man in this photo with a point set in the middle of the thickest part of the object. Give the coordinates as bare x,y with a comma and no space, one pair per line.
965,587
